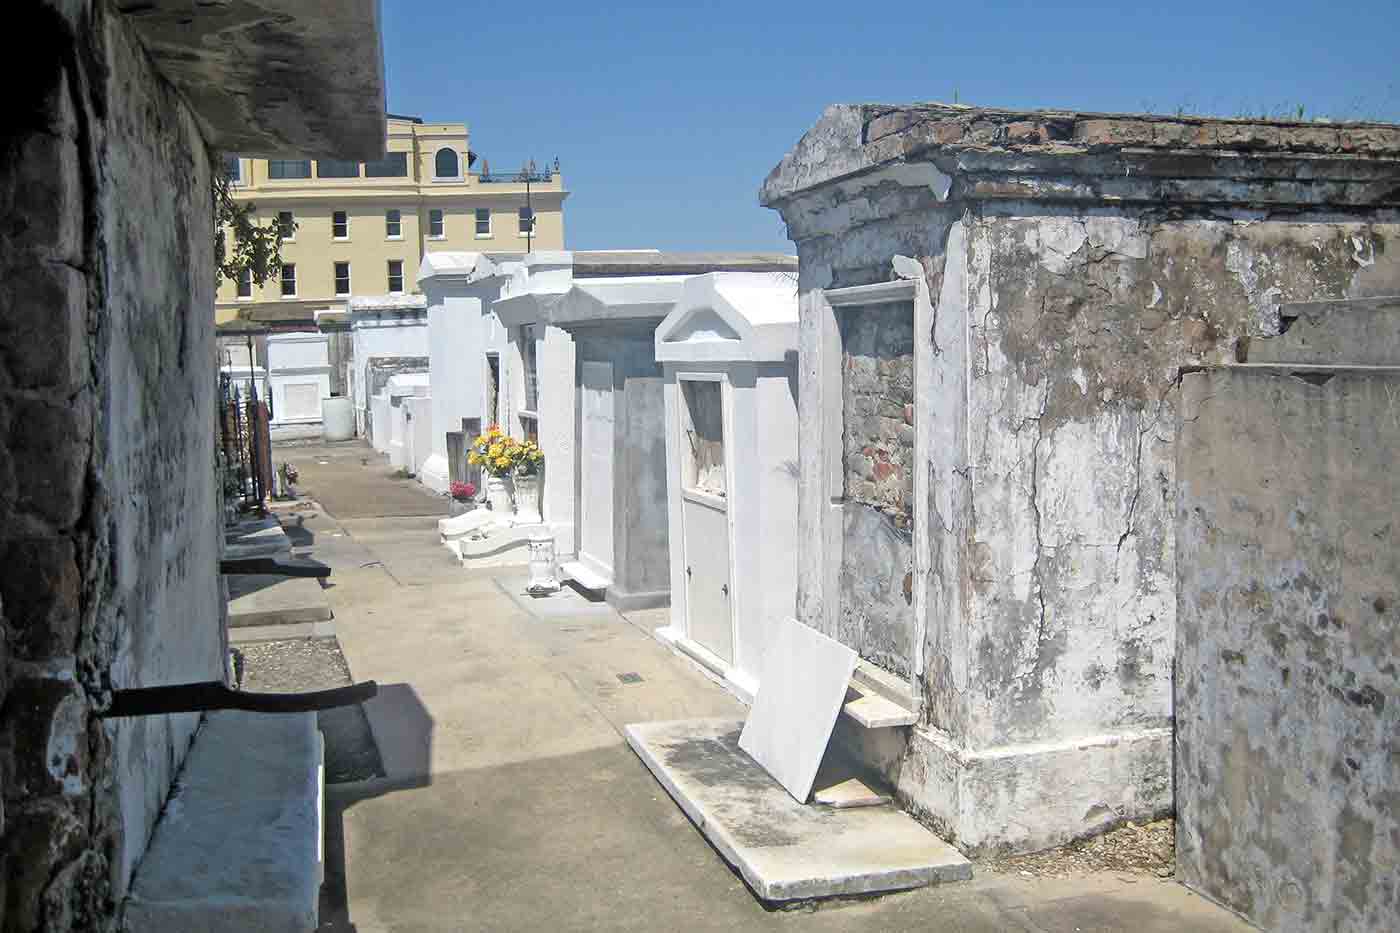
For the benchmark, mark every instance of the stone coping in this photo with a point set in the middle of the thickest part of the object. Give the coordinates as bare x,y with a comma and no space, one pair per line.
618,263
238,846
989,152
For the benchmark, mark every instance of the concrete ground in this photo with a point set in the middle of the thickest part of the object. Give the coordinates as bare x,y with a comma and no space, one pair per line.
512,801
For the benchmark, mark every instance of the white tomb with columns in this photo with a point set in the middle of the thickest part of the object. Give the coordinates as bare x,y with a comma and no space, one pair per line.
729,355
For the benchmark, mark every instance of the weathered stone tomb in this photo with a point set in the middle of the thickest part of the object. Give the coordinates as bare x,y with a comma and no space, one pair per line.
995,309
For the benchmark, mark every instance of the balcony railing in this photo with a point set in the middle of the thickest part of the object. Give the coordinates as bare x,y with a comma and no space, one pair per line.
509,178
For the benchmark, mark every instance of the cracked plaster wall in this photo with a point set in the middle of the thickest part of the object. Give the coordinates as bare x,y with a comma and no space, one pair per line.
1077,326
108,501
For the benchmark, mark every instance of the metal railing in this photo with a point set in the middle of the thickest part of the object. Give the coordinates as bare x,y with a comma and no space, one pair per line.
518,178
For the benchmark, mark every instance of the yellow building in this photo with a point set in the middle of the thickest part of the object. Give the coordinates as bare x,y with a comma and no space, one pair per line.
361,227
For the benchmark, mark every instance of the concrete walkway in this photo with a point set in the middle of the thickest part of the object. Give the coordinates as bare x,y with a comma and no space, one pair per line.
512,801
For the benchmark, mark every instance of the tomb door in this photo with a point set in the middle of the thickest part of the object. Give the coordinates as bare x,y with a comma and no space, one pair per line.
705,508
596,465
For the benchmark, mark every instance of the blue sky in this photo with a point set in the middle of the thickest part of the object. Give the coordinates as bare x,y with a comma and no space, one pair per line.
666,120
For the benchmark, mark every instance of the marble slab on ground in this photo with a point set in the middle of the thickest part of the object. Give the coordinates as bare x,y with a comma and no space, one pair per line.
799,697
566,603
786,850
268,599
257,537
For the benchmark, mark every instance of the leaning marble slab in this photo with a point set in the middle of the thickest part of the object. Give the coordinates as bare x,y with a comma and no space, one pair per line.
805,675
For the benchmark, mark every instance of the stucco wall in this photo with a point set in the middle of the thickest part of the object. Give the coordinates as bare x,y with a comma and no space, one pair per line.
1288,720
108,517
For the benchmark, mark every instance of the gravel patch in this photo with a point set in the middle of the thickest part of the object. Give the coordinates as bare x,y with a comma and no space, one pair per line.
295,665
1137,848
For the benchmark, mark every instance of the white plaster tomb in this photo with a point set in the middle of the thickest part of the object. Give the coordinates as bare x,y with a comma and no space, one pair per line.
729,351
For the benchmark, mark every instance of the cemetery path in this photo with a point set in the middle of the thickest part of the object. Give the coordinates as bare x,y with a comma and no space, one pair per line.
511,800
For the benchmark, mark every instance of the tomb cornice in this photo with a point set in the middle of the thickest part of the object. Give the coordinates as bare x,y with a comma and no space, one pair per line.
862,163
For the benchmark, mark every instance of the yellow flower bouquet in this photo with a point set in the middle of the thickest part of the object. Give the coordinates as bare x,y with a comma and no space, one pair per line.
494,451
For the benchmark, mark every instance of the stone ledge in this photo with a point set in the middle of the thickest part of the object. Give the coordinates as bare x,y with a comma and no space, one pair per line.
238,846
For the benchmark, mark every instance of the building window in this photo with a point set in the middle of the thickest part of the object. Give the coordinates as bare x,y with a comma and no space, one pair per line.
233,168
445,164
340,225
395,276
393,165
527,220
287,224
435,224
245,283
288,168
289,280
483,221
337,168
342,278
393,224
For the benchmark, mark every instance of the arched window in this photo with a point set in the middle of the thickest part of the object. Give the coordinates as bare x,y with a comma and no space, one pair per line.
445,164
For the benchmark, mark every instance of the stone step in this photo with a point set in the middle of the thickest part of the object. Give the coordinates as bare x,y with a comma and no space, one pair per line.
879,699
867,678
584,576
873,711
852,792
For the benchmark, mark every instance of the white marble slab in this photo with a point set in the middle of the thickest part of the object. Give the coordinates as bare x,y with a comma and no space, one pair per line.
805,675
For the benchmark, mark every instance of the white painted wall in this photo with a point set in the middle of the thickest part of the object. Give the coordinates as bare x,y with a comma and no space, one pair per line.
418,431
375,336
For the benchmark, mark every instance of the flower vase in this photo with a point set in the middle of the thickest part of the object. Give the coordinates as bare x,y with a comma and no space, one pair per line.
527,499
500,494
460,506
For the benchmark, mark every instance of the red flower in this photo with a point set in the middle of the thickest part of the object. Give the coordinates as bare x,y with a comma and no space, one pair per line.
463,490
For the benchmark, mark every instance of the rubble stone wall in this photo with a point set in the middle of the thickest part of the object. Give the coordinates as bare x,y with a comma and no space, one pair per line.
109,535
877,400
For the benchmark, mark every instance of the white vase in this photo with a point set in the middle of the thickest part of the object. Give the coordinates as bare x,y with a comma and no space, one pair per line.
499,494
527,499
